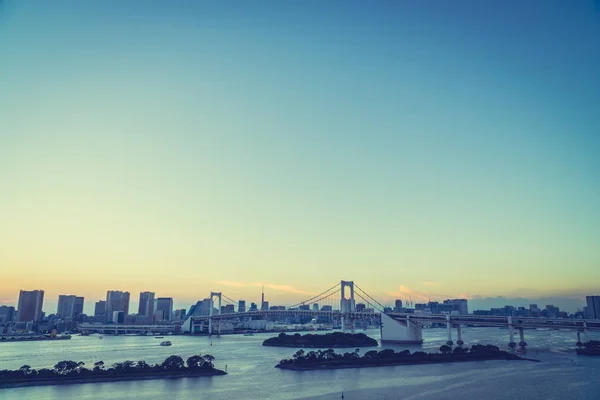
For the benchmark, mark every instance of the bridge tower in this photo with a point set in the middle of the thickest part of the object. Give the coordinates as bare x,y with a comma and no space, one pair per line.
211,311
347,306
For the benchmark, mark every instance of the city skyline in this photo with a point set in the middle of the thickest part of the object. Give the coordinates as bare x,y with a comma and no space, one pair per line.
443,152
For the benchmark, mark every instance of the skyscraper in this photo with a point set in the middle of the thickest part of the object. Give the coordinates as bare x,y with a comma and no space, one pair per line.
242,306
116,301
146,307
69,306
593,307
7,314
165,304
398,306
100,311
30,305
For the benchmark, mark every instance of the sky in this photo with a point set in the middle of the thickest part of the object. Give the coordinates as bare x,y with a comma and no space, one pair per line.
422,149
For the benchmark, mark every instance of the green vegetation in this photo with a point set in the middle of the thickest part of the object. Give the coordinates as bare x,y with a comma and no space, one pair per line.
327,359
329,340
75,372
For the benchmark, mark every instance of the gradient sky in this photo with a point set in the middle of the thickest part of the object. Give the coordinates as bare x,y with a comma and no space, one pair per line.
421,148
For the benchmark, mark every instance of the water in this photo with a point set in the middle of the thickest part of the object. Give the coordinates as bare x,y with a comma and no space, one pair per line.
252,374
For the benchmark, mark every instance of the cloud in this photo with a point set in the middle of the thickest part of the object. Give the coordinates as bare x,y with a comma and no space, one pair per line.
273,286
429,283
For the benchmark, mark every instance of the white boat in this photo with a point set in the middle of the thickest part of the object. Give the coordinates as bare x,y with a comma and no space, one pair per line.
165,343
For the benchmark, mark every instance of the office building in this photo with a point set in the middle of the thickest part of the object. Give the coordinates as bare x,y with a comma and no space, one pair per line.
453,306
315,307
242,306
253,307
146,307
398,306
265,306
592,307
100,311
360,307
228,309
69,306
30,306
7,314
165,304
179,315
116,301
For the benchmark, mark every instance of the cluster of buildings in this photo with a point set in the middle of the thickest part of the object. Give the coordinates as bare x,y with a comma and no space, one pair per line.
28,316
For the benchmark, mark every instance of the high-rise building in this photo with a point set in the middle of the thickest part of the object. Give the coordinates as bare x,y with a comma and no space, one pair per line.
69,306
116,301
253,307
360,307
100,311
165,304
7,314
398,305
242,306
228,309
265,306
315,307
592,307
78,306
146,307
30,306
459,306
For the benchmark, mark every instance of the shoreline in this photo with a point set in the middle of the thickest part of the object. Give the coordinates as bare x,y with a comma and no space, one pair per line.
391,363
114,378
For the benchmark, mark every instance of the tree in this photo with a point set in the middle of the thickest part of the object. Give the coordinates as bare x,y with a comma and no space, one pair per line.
298,354
370,354
99,366
445,349
142,365
208,361
65,367
195,362
173,362
26,370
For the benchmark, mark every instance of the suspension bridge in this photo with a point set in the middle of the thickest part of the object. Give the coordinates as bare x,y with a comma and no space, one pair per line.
338,303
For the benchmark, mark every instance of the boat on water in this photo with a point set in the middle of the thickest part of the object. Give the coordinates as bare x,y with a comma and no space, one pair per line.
166,343
248,333
100,337
158,337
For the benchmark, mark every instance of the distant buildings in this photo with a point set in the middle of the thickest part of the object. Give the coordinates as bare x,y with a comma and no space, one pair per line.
146,307
397,306
265,306
116,301
100,311
315,307
592,307
69,306
242,306
253,307
164,305
7,314
30,306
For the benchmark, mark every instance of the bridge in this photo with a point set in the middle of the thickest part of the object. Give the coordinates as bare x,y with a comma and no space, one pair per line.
395,327
116,329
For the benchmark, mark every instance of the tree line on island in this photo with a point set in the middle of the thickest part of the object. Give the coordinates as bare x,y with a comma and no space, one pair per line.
329,340
329,358
73,370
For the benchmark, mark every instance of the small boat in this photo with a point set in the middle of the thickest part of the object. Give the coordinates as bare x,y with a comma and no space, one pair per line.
100,337
248,334
165,343
158,337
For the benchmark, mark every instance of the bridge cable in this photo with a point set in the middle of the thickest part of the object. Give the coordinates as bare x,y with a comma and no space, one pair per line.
315,297
367,294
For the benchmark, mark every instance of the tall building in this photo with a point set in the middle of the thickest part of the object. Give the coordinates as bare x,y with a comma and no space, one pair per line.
242,306
265,306
30,306
100,311
146,307
458,305
398,306
78,307
165,304
315,307
69,306
592,307
116,301
7,314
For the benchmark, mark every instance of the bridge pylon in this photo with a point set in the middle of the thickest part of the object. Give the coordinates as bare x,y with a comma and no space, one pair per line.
211,312
347,306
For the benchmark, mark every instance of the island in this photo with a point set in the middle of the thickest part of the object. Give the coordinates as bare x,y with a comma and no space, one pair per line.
328,340
328,359
591,348
72,372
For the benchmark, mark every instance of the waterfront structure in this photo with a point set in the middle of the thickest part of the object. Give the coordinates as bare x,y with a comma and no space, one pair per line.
69,306
116,301
146,307
242,306
7,314
165,304
30,305
592,307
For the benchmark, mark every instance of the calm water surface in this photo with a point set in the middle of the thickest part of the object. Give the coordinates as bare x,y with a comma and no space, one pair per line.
560,375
